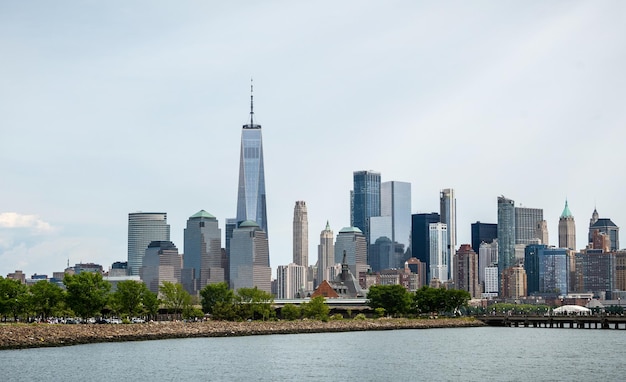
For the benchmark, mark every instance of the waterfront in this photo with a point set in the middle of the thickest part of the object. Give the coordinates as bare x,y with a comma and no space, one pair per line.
471,354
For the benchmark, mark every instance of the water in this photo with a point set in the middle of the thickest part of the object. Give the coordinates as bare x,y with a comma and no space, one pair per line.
469,354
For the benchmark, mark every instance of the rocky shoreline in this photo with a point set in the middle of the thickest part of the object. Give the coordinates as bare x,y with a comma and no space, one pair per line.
22,336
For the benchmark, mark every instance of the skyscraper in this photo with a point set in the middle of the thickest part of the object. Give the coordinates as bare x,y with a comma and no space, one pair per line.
203,251
144,228
291,281
506,233
447,211
438,234
300,234
526,222
325,254
466,271
605,226
353,242
251,192
483,233
567,229
161,262
420,239
365,200
249,258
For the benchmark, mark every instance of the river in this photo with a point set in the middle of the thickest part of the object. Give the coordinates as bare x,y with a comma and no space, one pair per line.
468,354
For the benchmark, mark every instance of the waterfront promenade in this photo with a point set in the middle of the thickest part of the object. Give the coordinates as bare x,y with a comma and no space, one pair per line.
564,321
20,336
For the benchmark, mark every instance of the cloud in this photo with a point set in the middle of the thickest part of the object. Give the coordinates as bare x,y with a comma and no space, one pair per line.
15,220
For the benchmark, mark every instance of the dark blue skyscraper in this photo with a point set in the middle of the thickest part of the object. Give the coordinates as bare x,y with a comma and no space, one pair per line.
251,193
483,232
420,238
365,200
506,233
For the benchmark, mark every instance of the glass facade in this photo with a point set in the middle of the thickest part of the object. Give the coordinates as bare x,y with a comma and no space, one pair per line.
439,251
365,200
251,191
203,249
506,233
553,271
144,228
526,221
447,210
420,238
249,258
353,242
483,233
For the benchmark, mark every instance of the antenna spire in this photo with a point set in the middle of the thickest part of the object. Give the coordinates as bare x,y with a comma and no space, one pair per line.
251,102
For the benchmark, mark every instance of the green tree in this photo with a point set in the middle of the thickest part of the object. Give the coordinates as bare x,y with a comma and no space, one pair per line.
456,299
253,303
46,298
216,294
393,298
87,293
151,303
175,298
316,309
13,298
290,312
128,298
429,300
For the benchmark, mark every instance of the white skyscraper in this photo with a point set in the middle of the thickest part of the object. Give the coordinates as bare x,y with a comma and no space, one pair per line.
291,281
144,228
325,255
447,206
439,257
300,234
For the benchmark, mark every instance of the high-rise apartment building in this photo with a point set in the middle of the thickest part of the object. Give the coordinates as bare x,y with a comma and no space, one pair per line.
487,257
447,211
291,281
466,271
420,239
300,234
567,229
526,222
352,243
251,191
325,255
144,228
483,233
513,282
595,272
202,262
506,233
249,258
365,200
438,234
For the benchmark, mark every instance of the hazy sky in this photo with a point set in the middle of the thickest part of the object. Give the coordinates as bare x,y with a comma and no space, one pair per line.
114,107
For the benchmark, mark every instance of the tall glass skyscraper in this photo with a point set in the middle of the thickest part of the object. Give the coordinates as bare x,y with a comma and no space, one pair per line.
251,193
144,228
203,250
506,233
365,200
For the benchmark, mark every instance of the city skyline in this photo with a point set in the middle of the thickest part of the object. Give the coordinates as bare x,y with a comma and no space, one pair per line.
141,109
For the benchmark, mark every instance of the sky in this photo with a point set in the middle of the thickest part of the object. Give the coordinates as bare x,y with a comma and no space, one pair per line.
113,107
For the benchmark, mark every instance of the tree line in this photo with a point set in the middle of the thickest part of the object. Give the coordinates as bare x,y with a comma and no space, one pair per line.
396,301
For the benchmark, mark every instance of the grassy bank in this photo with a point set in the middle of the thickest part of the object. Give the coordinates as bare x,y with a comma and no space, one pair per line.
20,336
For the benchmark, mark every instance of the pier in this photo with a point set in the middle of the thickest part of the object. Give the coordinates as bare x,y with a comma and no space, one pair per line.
565,321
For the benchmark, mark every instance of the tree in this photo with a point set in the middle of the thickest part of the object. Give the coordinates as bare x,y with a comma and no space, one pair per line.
394,299
290,312
254,303
13,298
150,302
175,297
129,296
433,300
214,294
316,309
46,298
87,293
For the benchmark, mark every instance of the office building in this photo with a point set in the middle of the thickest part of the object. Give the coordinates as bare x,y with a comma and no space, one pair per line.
531,266
420,239
395,203
249,258
352,243
365,200
161,263
606,226
547,270
438,234
491,283
483,233
291,281
526,222
325,255
300,234
541,232
202,262
251,192
513,282
567,229
447,212
144,228
487,257
595,272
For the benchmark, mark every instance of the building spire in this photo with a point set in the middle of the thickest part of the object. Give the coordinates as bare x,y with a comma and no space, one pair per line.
251,102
